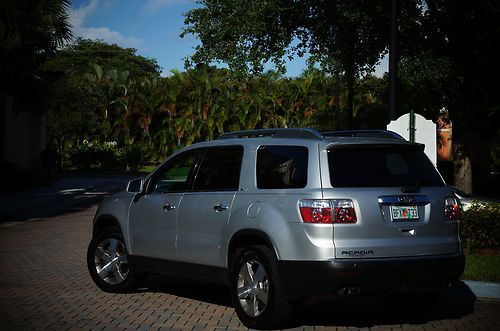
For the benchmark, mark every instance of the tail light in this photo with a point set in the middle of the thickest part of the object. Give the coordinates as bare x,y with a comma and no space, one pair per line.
327,211
451,208
316,211
344,211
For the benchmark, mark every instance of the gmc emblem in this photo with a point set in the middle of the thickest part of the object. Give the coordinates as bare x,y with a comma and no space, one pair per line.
406,198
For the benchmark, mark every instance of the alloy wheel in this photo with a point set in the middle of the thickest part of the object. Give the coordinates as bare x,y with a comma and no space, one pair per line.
111,262
253,288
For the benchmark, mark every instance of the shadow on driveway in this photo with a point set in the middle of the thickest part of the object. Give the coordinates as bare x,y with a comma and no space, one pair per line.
69,195
360,312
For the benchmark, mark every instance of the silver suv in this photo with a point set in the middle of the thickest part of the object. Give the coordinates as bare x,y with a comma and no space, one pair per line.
284,215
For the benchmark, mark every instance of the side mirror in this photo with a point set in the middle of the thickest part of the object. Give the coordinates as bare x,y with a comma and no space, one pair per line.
135,185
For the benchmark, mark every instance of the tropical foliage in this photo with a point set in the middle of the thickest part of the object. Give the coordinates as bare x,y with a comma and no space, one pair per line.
163,114
448,53
143,112
344,36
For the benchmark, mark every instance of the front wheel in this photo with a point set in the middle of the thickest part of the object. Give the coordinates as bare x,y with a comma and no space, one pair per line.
256,289
107,261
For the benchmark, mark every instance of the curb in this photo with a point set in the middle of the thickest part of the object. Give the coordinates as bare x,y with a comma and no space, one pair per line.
484,289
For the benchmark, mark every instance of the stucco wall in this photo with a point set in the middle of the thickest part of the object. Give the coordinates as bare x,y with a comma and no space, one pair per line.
24,136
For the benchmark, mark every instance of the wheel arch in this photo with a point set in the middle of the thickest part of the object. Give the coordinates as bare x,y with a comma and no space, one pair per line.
105,221
245,238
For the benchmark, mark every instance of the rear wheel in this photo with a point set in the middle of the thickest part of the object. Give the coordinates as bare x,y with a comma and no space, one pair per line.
107,261
256,289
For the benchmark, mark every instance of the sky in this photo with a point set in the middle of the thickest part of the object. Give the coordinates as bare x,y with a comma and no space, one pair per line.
150,26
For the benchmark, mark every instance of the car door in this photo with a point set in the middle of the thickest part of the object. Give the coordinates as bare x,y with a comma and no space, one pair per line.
153,214
204,212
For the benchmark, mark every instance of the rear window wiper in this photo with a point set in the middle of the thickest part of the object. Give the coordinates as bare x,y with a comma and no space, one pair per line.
412,188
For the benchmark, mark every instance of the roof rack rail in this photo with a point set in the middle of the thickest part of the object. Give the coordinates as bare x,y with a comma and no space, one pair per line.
364,134
297,133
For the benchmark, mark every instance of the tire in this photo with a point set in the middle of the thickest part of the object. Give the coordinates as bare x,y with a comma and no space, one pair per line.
107,262
256,289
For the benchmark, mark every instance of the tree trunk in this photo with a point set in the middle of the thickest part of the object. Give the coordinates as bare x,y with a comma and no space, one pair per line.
462,170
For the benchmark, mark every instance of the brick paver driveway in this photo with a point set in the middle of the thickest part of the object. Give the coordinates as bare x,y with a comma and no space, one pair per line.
44,284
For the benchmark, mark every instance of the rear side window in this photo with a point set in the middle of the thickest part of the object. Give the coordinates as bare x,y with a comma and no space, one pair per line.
381,166
280,167
220,169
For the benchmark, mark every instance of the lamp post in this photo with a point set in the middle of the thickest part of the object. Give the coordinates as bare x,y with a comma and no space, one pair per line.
393,61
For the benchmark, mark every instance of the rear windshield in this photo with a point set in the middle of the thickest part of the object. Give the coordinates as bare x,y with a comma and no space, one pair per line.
381,166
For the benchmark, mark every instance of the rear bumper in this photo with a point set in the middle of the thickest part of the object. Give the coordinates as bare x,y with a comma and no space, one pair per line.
371,276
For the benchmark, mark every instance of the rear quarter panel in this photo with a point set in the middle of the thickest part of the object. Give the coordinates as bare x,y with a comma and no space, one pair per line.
275,212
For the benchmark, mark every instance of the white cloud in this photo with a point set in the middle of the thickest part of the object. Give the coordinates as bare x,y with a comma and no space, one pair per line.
110,36
153,5
78,17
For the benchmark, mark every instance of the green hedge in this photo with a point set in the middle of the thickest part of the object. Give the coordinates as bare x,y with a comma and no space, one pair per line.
482,267
480,227
107,155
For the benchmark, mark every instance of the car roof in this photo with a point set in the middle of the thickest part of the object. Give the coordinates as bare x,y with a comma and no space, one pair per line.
306,135
311,134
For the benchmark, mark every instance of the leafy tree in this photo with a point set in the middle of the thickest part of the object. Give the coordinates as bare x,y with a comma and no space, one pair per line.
426,84
77,58
450,60
344,36
30,31
76,108
371,103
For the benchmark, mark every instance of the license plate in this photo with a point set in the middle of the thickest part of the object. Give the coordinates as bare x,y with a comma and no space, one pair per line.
404,213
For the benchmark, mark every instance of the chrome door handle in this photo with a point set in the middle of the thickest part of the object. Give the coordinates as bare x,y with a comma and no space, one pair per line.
220,207
168,207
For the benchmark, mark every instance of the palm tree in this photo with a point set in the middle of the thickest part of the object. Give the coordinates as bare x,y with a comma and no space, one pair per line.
30,30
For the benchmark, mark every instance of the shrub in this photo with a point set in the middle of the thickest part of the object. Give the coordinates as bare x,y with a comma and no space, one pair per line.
132,156
81,157
480,226
107,154
104,155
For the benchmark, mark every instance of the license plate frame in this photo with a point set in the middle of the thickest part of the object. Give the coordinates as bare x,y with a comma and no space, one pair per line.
404,213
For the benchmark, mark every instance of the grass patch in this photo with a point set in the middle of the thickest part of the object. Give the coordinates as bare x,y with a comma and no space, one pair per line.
482,267
147,168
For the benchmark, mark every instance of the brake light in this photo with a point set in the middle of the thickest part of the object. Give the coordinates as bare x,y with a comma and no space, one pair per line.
316,211
327,211
452,209
344,211
345,214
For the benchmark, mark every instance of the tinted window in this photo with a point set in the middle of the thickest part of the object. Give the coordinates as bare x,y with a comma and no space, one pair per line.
282,167
174,175
381,166
220,169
